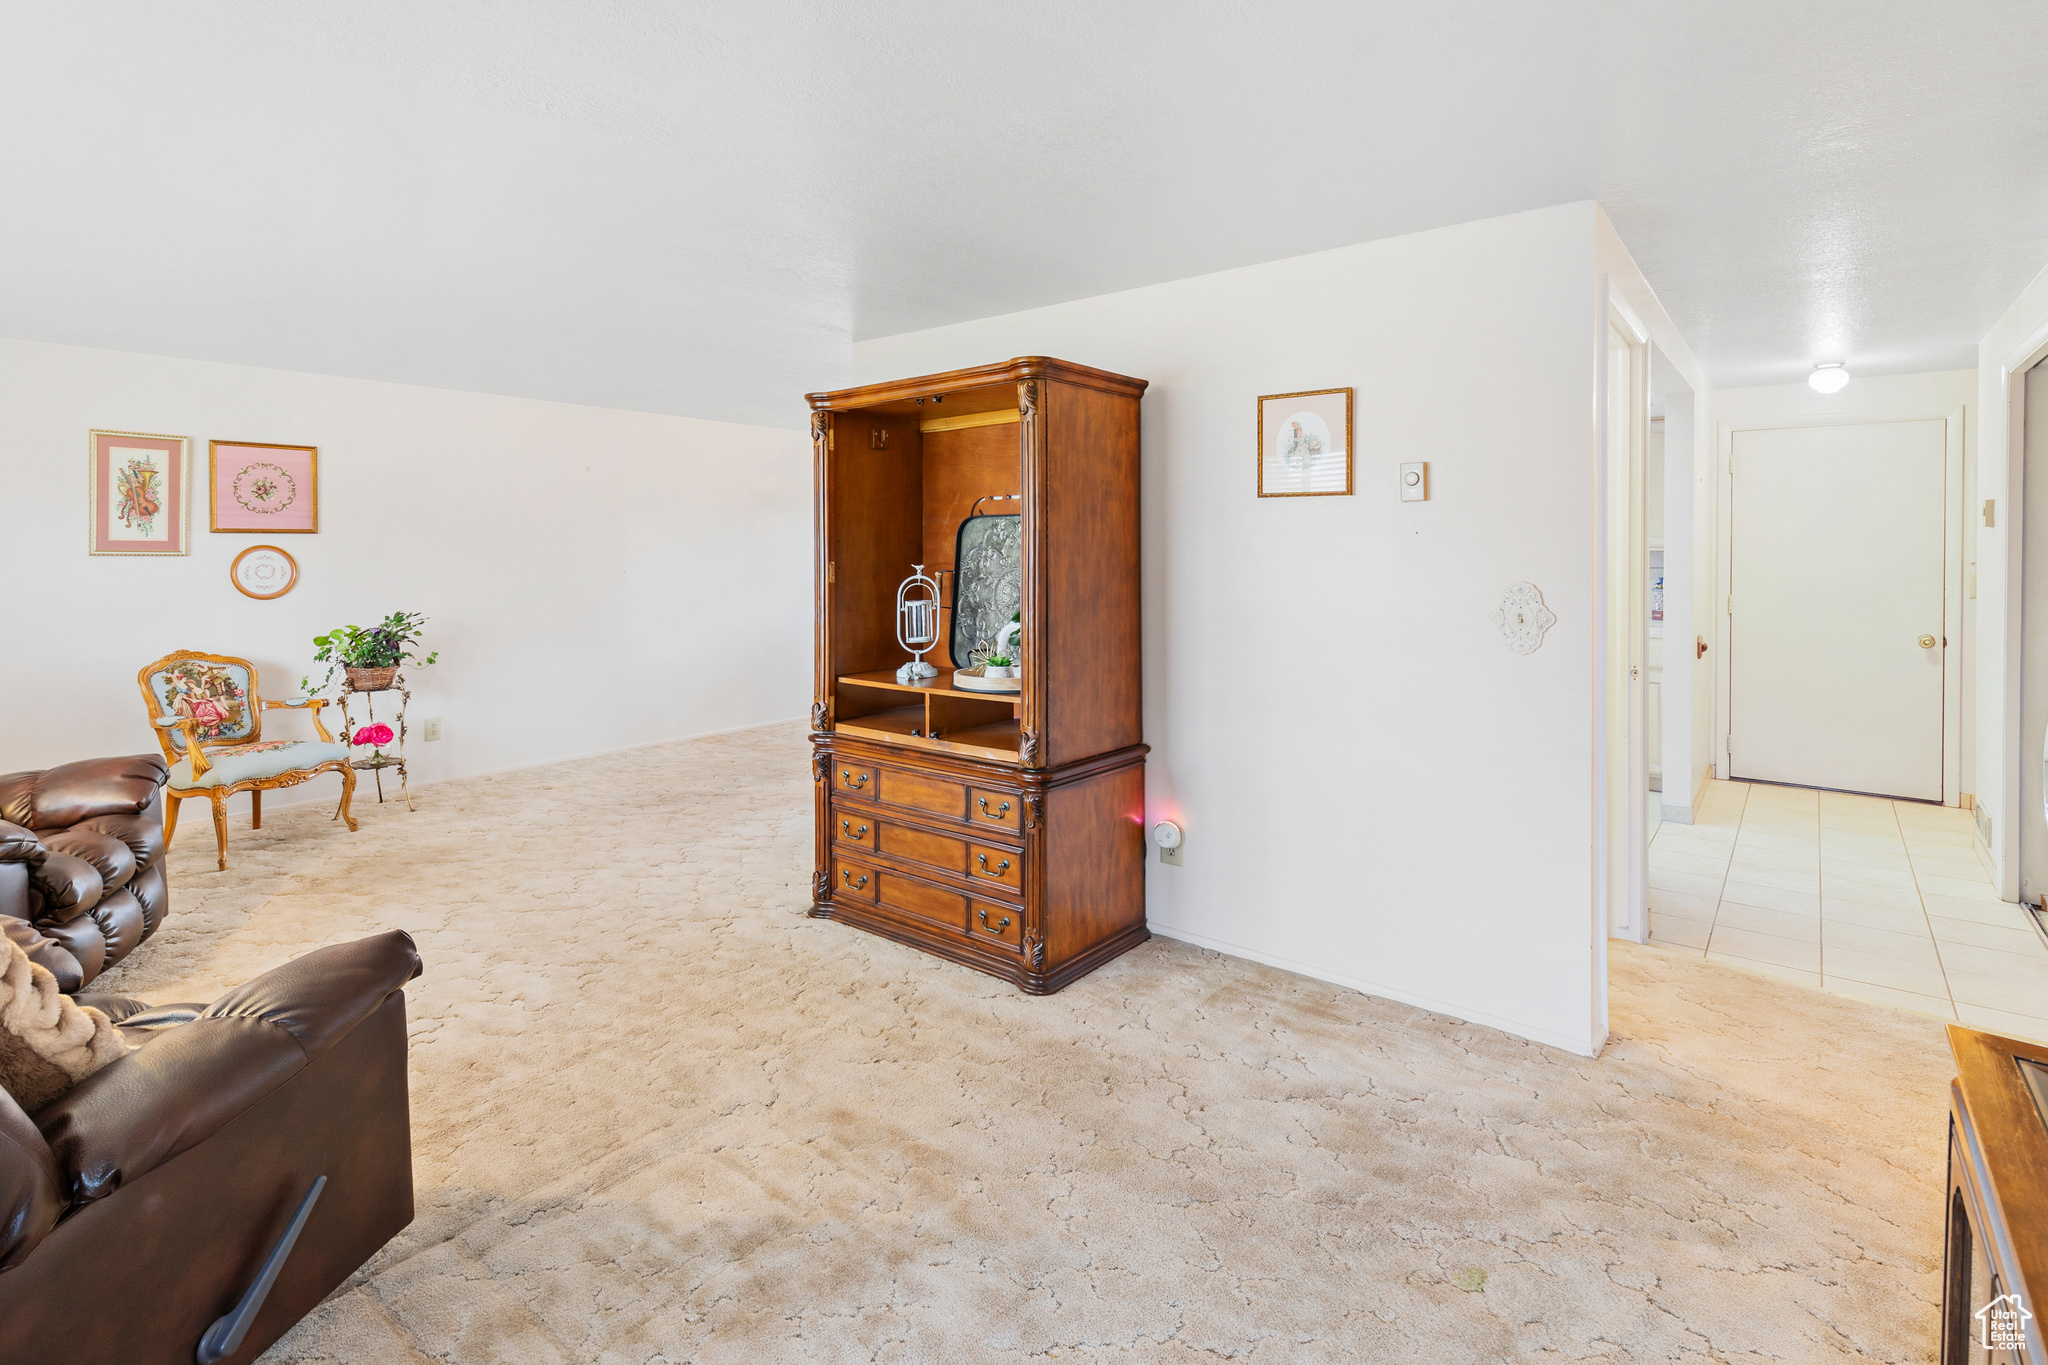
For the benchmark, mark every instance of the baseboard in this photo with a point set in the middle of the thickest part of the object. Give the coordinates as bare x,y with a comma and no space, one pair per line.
1980,830
1677,815
1510,1026
334,794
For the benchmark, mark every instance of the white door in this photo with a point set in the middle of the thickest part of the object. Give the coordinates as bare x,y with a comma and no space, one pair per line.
1835,629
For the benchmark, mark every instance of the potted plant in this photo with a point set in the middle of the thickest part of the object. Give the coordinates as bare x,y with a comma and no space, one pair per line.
370,658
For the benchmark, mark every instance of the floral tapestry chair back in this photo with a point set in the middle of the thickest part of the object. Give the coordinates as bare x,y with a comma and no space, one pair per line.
217,696
208,717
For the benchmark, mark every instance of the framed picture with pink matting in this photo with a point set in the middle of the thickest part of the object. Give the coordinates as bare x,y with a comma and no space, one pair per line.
141,491
266,488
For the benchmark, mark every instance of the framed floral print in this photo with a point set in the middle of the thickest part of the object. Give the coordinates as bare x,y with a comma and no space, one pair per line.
1305,444
259,487
140,491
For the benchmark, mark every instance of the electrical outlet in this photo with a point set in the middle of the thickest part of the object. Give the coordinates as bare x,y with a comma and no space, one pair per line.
430,729
1171,856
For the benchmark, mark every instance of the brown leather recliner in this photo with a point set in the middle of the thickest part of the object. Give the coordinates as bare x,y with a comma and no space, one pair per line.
82,863
145,1211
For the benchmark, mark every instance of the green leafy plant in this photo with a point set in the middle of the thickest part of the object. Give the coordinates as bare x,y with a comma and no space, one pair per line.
383,645
999,661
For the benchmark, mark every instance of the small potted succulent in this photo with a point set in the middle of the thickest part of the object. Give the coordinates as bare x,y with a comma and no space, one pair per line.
369,659
1002,659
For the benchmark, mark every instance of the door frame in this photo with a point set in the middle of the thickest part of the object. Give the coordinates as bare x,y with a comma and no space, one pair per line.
1621,876
2013,378
1954,557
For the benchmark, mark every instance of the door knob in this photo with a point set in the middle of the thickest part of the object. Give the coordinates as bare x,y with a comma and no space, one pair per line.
1927,642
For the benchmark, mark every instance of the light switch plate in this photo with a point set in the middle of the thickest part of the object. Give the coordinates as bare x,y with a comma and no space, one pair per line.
1415,482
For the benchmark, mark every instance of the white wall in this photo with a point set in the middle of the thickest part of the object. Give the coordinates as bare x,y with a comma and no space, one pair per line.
2002,359
1891,395
1375,791
593,578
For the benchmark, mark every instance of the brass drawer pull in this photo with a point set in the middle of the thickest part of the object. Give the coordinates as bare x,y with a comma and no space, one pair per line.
846,828
1000,811
847,877
1001,867
846,776
998,926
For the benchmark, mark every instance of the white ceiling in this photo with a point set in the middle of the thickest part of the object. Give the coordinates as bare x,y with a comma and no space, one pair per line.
694,208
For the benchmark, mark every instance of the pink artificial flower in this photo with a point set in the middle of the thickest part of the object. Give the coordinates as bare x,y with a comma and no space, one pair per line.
374,734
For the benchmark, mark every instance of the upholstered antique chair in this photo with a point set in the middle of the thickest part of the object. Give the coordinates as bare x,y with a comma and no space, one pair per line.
209,719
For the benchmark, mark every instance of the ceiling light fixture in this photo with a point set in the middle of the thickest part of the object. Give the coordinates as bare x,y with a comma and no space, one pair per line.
1828,377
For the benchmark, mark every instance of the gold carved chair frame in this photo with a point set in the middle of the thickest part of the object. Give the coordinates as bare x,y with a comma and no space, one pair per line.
202,760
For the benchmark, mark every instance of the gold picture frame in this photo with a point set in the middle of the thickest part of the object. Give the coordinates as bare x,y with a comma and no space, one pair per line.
138,492
1298,434
257,581
291,474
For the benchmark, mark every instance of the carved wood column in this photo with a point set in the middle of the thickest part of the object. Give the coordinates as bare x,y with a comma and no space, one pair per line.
821,646
1031,749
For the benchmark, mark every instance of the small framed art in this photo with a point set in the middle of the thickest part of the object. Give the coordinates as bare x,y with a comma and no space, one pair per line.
264,572
259,487
141,489
1305,443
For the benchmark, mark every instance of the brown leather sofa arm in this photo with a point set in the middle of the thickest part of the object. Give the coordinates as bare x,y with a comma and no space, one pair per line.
46,952
21,857
31,1196
126,1120
63,887
71,792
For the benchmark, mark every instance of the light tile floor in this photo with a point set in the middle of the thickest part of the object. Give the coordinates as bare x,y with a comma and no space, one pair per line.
1886,901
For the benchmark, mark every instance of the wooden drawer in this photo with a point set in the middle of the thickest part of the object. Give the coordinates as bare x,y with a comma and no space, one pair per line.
1000,868
855,779
921,846
947,909
853,826
996,924
855,881
921,791
996,810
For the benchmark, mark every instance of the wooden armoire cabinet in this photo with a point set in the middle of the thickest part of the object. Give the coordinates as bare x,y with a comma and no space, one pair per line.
1004,832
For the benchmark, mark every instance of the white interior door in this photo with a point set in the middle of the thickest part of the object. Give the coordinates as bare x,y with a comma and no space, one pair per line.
1836,630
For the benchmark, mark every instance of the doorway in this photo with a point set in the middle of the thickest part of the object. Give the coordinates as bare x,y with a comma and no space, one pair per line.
1622,561
1838,611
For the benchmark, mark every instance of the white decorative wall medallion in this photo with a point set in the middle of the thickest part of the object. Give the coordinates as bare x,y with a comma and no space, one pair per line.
1523,618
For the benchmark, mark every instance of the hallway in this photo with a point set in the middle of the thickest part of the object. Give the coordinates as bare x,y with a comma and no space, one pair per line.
1885,901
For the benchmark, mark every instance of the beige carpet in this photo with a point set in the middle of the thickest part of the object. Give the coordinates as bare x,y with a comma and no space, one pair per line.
662,1116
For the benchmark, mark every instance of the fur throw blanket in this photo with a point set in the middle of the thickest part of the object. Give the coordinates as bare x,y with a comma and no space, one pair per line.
48,1043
